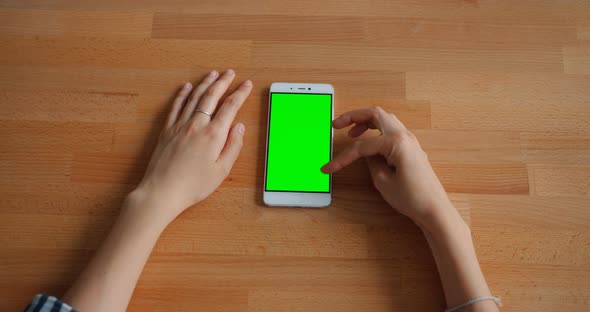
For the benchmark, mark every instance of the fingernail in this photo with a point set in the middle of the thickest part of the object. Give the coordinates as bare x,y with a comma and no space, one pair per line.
230,72
241,128
248,83
213,73
187,85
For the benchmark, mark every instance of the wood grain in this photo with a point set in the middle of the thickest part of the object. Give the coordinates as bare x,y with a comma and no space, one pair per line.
555,148
470,146
497,92
584,32
30,136
69,106
576,59
254,27
555,212
510,102
552,180
75,23
410,58
125,53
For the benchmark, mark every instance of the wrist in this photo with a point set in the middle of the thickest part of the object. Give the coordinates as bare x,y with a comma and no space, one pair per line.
141,207
444,221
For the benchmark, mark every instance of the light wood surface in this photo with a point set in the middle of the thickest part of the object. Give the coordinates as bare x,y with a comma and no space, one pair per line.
498,92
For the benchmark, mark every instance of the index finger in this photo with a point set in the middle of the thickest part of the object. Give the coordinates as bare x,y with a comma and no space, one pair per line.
374,117
361,148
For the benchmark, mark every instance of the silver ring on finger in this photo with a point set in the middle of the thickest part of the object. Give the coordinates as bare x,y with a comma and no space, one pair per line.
203,112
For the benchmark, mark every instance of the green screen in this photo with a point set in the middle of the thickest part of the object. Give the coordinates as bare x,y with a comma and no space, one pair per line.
299,142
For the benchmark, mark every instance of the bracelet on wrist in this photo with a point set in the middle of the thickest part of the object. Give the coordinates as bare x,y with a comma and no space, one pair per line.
496,300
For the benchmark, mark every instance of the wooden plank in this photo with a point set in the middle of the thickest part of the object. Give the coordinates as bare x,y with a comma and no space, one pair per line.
470,146
37,167
483,178
555,148
546,12
122,52
528,244
342,299
159,298
451,33
576,59
62,203
157,87
306,55
96,79
511,102
58,267
55,137
556,213
107,168
398,32
137,139
221,6
318,240
64,232
538,287
375,8
584,32
68,106
280,28
228,203
212,271
239,237
555,180
505,11
75,23
549,13
60,183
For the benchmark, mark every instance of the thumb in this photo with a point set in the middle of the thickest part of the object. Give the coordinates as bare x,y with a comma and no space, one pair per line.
381,173
232,147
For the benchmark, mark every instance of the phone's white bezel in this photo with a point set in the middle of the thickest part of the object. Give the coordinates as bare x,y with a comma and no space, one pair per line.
296,199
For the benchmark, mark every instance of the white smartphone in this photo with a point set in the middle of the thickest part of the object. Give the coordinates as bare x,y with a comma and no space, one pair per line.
298,143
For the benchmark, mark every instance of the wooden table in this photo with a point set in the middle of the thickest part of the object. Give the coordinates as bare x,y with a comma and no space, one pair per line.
498,93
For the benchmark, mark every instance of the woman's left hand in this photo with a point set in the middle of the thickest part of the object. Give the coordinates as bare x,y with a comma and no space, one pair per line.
195,151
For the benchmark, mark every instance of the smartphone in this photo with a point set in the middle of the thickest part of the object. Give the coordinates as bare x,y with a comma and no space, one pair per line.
298,143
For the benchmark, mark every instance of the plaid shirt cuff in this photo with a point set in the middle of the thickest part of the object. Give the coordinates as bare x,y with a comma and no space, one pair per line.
49,304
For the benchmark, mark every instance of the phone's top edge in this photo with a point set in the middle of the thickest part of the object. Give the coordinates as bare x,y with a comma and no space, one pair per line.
279,85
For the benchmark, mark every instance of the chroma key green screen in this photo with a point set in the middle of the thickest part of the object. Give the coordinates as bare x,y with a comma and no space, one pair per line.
299,142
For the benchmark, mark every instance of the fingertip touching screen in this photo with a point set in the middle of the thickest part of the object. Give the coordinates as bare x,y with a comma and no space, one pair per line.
299,142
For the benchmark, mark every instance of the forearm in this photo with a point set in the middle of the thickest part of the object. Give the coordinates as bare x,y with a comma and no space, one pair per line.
450,240
110,278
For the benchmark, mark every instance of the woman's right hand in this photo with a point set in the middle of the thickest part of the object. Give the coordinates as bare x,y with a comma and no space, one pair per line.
401,172
399,167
